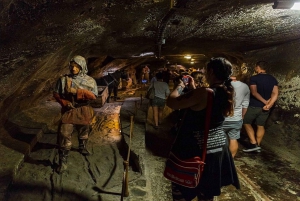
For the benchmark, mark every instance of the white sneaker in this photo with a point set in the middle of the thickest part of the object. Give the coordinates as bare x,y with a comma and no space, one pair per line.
252,147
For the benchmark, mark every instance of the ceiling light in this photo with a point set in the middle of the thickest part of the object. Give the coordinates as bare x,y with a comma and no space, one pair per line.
285,4
187,56
144,54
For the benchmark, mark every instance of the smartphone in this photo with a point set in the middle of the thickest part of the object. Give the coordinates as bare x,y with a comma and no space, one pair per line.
185,79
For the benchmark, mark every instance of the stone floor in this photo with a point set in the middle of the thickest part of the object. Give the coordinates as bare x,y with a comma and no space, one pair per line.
263,176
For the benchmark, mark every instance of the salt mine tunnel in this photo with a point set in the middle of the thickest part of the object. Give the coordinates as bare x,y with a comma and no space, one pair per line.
39,37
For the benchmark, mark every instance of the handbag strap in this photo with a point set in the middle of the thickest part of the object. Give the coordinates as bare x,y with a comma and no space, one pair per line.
207,120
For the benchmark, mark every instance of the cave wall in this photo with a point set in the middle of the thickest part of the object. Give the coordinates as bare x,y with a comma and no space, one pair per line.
38,38
282,128
284,65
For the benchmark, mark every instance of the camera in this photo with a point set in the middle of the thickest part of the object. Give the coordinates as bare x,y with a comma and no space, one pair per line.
185,79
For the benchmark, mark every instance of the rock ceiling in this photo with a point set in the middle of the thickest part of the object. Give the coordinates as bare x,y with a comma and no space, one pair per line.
38,37
124,28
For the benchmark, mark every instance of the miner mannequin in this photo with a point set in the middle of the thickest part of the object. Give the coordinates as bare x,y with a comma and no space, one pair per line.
145,74
73,92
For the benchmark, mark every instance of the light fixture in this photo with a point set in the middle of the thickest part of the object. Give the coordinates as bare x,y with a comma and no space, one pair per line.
144,54
286,4
187,56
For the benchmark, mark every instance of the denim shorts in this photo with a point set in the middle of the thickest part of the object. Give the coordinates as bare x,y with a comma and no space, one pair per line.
256,115
233,129
158,102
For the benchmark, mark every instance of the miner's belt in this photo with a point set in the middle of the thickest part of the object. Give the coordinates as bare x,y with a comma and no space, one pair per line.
81,104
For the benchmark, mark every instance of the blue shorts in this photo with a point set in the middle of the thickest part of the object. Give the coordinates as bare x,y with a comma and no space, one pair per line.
256,115
233,129
158,102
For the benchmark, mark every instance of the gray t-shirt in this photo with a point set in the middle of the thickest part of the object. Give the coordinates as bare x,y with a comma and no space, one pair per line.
161,89
242,96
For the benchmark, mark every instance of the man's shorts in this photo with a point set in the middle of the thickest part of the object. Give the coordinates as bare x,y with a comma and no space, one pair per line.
256,115
158,102
233,129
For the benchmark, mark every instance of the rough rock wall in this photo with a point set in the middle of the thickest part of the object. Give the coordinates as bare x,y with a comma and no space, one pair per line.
283,125
284,65
39,37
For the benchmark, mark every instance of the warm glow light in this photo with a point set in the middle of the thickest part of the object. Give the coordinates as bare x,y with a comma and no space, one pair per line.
187,56
296,6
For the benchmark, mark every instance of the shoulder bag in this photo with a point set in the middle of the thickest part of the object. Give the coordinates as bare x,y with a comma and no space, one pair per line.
151,92
188,172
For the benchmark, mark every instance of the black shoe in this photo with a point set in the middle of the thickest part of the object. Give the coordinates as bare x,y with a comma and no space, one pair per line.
84,152
252,147
62,166
83,147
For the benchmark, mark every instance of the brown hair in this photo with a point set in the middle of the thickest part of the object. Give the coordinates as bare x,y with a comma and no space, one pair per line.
262,64
222,69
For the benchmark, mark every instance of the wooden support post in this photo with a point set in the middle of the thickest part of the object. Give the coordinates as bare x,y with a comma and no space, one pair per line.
172,4
135,107
130,135
125,187
125,191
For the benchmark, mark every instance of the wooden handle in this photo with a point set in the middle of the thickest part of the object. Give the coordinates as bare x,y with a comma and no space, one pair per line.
125,191
125,187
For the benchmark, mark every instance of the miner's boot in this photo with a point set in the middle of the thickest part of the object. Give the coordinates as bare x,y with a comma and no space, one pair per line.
63,156
83,147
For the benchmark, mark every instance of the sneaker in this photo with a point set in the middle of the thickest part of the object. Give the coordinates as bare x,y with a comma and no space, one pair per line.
252,147
259,150
156,127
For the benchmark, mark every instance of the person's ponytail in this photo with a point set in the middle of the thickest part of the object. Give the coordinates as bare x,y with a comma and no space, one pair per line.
222,69
229,104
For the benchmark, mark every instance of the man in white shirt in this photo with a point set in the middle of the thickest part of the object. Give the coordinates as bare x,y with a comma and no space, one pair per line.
232,125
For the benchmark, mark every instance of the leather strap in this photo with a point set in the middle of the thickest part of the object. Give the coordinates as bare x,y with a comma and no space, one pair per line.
207,120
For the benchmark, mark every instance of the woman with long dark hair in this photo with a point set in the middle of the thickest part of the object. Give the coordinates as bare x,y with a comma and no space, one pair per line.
219,169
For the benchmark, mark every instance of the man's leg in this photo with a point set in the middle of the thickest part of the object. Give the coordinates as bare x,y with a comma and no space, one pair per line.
233,147
261,121
65,144
250,132
232,129
83,135
260,134
253,143
160,114
155,115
